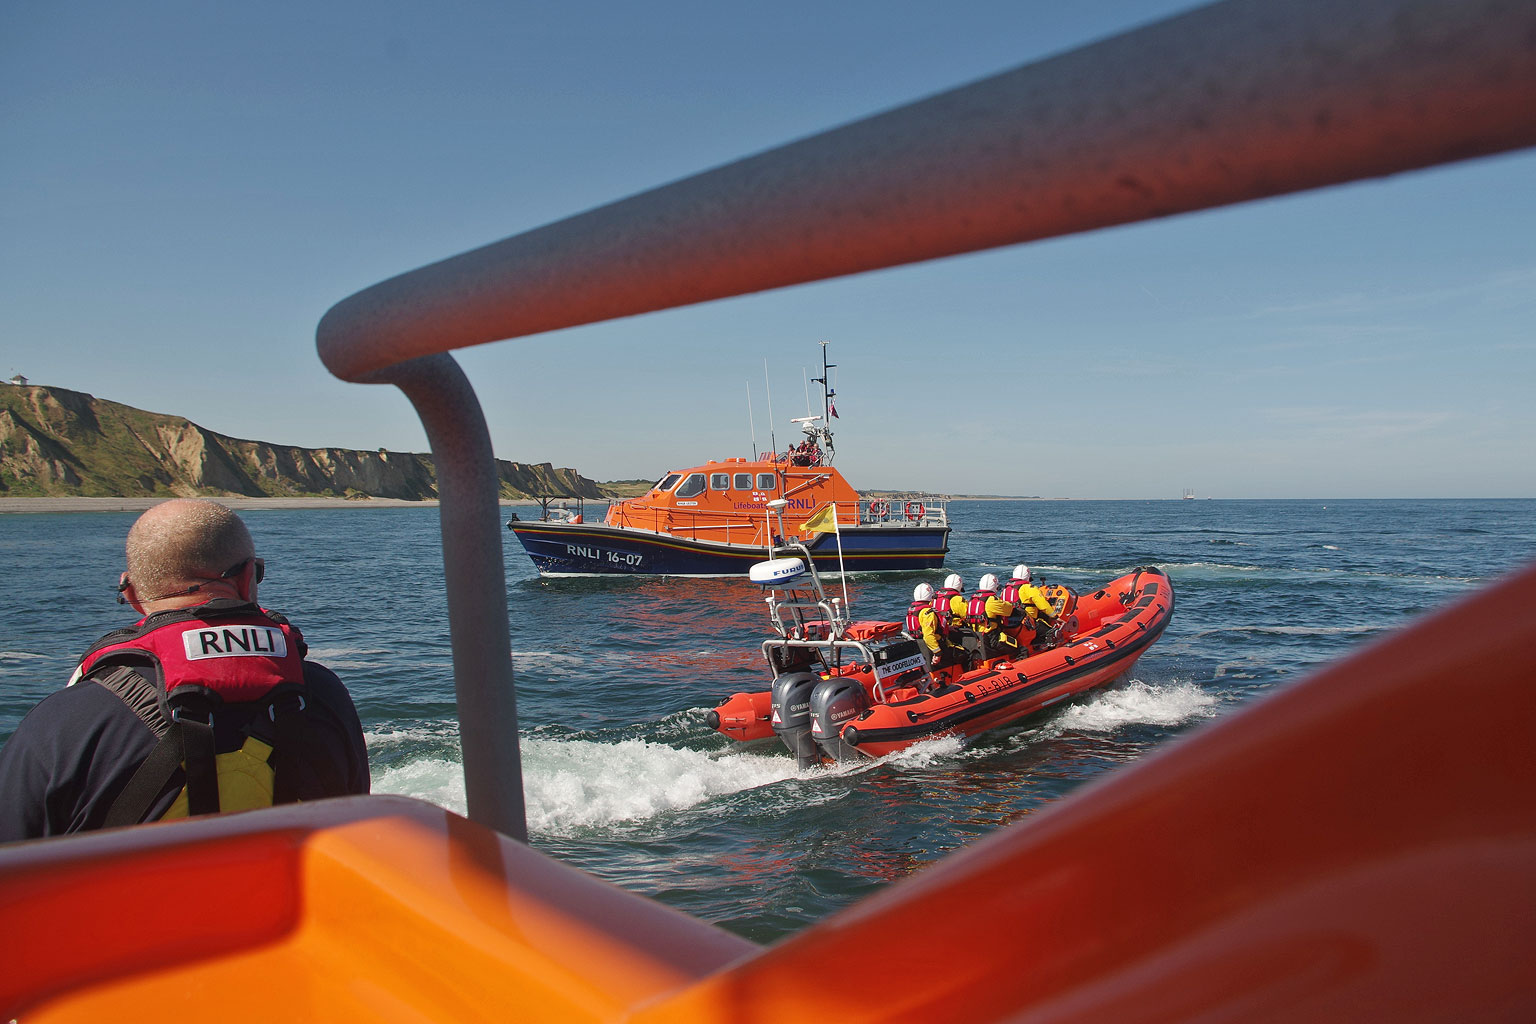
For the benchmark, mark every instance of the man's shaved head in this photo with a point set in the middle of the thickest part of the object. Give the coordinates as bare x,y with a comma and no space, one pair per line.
179,542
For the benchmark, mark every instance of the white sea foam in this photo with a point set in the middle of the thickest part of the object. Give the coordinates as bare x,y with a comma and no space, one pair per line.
361,659
926,753
552,658
569,784
1361,629
1135,703
393,736
436,780
1217,569
328,653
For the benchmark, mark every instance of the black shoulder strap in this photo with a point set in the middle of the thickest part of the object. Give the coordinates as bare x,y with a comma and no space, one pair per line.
300,769
133,803
192,715
134,688
138,687
186,738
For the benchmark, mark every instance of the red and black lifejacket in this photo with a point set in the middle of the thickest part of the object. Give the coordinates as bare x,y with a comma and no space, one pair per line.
178,669
976,609
1011,591
942,607
238,654
914,625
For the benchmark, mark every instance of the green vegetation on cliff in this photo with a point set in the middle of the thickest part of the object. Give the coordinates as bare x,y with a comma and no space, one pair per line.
626,488
60,443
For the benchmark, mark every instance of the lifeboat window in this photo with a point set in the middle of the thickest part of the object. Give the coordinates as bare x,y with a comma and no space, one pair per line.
767,481
743,482
691,486
668,480
719,481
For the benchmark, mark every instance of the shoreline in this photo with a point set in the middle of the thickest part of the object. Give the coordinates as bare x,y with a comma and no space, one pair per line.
239,504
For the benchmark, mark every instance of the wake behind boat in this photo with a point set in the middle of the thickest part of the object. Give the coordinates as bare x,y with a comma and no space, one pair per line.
712,519
843,690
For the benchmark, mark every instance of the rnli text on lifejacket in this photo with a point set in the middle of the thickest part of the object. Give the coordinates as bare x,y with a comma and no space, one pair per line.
234,642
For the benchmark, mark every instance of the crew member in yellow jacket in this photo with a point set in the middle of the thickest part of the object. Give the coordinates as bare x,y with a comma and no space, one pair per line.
987,613
925,625
1035,611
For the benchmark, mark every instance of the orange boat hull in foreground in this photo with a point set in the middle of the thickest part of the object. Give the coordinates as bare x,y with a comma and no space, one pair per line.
1359,846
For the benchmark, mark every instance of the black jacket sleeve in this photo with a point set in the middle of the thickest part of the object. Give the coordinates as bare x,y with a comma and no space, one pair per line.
338,717
67,762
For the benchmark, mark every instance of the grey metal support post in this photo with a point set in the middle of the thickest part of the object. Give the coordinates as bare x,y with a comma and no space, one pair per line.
475,577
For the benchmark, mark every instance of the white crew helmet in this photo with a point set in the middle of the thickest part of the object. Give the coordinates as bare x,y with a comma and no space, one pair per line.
922,592
954,582
1021,573
988,582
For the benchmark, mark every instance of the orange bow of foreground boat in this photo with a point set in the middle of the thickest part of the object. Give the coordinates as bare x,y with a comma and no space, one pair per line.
1358,846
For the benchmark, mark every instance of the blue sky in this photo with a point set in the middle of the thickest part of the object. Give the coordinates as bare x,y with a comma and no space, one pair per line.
185,188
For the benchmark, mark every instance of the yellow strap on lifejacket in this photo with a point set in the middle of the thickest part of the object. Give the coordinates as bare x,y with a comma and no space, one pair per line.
245,780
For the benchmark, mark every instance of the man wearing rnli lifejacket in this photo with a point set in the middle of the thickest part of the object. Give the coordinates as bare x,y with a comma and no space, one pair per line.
949,602
206,704
986,614
924,624
1033,611
949,606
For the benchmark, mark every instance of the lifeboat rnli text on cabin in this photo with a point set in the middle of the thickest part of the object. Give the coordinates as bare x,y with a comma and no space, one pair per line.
800,503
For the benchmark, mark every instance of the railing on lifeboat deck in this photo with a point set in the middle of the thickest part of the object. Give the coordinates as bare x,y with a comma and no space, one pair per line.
713,526
905,510
1229,102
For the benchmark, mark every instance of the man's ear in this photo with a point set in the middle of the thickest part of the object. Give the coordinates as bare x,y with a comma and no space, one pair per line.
127,595
245,583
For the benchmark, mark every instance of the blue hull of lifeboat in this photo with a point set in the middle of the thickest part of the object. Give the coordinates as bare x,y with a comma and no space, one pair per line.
564,549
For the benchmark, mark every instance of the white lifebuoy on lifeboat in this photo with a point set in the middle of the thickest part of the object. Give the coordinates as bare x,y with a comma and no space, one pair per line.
915,510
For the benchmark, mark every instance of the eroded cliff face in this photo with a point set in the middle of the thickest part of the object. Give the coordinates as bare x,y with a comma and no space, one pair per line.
56,442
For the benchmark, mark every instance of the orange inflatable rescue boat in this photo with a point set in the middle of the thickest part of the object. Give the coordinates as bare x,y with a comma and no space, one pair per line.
843,690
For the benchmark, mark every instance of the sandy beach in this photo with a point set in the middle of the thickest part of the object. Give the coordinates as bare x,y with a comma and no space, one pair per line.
238,504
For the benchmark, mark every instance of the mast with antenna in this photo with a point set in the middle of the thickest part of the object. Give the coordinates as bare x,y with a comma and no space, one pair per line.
768,387
751,424
823,433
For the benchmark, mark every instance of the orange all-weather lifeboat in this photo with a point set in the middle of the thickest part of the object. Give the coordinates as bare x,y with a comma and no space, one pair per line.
712,519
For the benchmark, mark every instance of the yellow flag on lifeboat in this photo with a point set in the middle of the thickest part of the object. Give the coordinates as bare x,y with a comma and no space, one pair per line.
824,521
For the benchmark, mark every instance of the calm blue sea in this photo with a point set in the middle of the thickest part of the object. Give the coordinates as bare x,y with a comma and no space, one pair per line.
615,676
